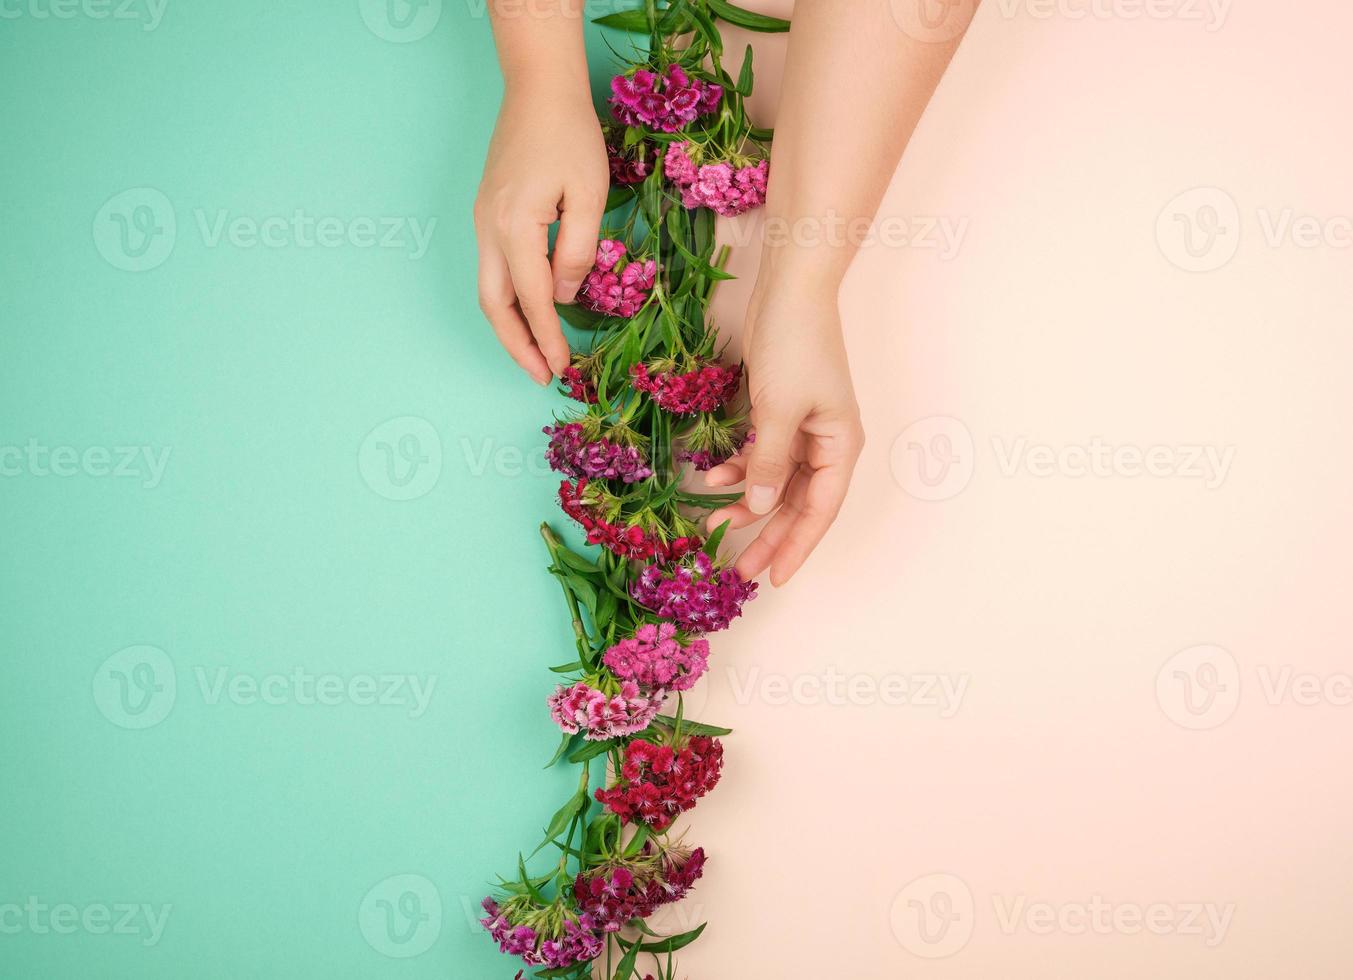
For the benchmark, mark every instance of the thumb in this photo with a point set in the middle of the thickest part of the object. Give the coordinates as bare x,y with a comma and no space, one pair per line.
770,465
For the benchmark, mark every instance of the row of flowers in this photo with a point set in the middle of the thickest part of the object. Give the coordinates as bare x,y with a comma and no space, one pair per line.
655,400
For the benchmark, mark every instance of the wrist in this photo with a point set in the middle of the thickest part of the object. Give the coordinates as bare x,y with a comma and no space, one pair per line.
813,272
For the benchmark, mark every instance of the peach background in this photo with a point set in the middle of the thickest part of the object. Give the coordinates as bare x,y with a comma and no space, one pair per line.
1063,774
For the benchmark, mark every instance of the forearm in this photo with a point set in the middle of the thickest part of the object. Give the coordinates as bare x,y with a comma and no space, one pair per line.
540,41
855,87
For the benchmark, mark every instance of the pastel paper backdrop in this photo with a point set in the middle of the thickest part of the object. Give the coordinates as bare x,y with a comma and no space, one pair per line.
1065,694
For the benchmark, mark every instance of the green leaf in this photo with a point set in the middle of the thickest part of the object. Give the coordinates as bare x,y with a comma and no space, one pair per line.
762,135
618,198
702,267
559,752
669,945
589,750
626,966
694,727
745,80
575,316
560,821
705,25
626,20
569,668
575,560
675,20
734,14
711,547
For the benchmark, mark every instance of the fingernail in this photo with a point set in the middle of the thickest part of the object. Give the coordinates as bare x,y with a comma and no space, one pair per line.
566,292
760,499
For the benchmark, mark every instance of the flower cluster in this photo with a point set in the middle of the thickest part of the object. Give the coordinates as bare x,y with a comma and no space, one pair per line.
654,658
660,782
694,594
552,937
655,402
665,102
572,453
727,187
635,889
617,286
706,388
598,715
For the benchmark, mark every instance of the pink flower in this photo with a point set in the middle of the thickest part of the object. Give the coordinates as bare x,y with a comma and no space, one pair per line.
654,659
582,708
723,187
615,286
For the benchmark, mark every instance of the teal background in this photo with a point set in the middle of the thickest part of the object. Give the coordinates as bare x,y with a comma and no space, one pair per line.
271,543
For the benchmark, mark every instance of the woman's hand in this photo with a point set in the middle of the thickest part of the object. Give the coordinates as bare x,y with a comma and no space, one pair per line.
808,432
546,163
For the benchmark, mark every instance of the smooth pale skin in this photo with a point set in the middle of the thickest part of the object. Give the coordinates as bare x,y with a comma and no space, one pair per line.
855,86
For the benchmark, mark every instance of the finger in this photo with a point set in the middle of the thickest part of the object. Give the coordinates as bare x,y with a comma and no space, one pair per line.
575,249
758,555
727,473
769,465
737,515
823,496
498,301
534,285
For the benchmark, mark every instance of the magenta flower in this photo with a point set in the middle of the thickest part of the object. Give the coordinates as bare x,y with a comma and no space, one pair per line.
707,388
694,594
666,102
599,716
572,453
654,659
617,287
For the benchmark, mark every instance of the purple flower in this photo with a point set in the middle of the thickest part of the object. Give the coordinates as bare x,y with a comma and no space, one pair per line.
693,594
570,452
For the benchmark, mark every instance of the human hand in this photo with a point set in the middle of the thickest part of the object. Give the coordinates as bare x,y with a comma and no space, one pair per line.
546,163
807,423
